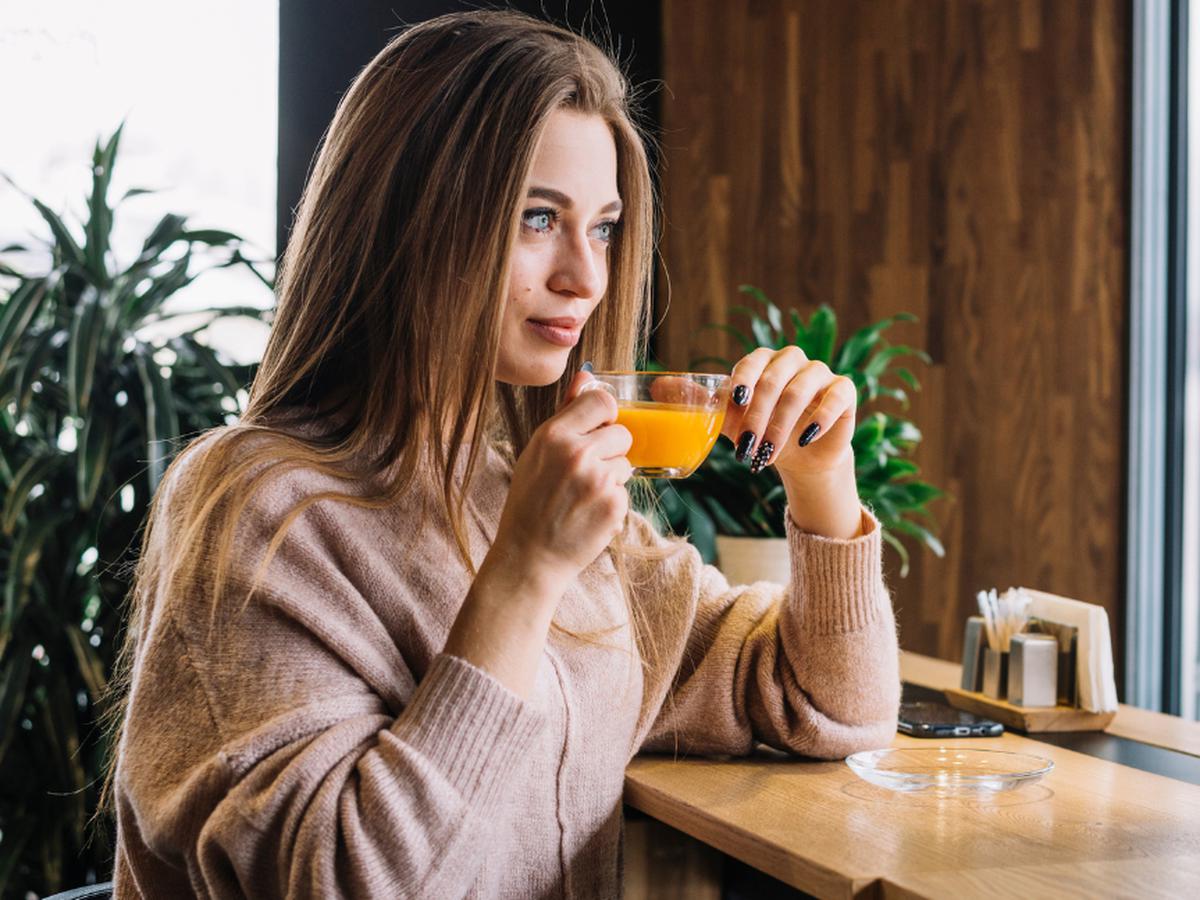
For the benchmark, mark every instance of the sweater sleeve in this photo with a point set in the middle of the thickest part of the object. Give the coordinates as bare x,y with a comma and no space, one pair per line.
811,668
289,748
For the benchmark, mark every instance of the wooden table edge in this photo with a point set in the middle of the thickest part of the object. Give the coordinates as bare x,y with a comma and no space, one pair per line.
745,845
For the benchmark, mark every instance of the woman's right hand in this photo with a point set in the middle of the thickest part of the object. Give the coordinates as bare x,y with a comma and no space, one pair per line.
567,500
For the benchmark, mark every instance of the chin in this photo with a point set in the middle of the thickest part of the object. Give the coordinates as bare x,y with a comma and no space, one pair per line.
535,373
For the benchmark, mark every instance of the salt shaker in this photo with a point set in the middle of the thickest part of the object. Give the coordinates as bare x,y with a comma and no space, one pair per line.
1033,670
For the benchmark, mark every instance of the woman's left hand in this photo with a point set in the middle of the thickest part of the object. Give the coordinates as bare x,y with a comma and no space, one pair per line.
791,412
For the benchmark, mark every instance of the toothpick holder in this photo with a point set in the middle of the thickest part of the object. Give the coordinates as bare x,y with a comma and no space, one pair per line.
995,673
985,688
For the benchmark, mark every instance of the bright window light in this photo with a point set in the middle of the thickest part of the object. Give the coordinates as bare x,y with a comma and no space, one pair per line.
197,86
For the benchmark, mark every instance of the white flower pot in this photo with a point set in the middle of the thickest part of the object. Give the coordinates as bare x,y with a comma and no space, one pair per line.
746,560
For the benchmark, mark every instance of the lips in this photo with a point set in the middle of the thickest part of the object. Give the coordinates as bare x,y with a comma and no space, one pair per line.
559,335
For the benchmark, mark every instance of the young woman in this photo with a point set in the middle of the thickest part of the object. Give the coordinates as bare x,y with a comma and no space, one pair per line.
398,633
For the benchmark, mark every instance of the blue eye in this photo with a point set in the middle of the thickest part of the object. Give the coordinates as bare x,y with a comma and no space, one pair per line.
607,230
539,219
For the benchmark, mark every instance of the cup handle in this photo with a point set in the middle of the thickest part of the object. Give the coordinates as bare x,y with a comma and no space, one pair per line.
597,384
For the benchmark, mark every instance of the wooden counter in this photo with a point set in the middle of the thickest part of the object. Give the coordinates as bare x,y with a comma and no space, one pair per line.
1090,827
1170,732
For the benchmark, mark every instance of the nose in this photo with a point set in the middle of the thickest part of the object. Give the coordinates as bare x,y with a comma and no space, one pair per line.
578,269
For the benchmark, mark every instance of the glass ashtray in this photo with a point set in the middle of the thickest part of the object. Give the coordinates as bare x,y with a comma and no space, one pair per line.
948,771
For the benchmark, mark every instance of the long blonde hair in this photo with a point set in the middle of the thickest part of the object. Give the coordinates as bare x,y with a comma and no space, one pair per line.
398,260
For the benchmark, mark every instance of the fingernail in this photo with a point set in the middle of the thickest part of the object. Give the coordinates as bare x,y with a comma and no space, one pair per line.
745,442
587,367
741,395
765,449
809,433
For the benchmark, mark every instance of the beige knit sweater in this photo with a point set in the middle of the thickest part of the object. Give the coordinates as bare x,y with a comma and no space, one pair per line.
319,744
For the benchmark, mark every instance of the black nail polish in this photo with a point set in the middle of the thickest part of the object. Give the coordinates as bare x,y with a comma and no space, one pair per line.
765,449
809,433
587,367
744,445
741,395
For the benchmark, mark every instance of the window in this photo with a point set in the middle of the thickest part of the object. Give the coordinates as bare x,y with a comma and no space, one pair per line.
1190,388
197,86
1162,628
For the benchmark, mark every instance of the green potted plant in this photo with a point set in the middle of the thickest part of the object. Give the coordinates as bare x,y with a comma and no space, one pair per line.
91,409
737,519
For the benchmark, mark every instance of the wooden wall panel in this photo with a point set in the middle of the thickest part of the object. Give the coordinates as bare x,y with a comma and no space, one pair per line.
965,160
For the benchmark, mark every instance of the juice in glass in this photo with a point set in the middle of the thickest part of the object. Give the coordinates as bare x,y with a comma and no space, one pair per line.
669,439
674,417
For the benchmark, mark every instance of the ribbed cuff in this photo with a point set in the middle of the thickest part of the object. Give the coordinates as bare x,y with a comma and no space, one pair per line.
469,726
837,584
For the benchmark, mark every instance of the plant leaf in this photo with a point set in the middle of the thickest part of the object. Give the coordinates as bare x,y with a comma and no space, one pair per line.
763,334
920,493
901,430
34,471
207,359
83,349
822,329
91,667
858,345
900,549
168,230
758,327
91,457
920,532
162,423
22,565
135,192
21,309
64,243
894,393
211,236
725,523
879,362
98,229
238,259
774,316
162,287
259,313
30,365
12,693
702,532
799,329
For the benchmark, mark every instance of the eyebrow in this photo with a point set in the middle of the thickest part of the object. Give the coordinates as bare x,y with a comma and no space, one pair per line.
564,201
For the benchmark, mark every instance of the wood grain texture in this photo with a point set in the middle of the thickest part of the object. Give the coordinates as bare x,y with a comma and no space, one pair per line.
964,160
1155,728
1029,719
661,863
817,827
1138,877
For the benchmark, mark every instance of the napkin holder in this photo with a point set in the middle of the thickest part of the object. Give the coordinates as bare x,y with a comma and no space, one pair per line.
1066,715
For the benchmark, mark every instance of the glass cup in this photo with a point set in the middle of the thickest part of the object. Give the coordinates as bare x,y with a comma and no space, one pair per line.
674,417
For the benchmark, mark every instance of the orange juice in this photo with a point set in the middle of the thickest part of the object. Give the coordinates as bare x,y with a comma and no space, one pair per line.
670,436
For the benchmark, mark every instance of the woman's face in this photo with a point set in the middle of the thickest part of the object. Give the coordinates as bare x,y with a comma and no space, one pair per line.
559,269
